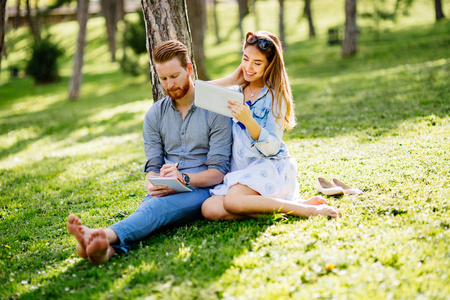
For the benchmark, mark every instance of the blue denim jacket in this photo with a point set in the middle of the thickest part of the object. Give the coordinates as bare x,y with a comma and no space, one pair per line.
200,142
270,142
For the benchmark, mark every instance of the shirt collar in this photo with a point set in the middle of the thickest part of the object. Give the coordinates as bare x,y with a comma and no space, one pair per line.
262,93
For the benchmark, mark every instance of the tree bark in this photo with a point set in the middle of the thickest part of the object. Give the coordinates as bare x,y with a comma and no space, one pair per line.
216,23
120,10
243,12
281,23
308,14
165,20
33,23
109,8
350,44
197,23
17,17
75,80
3,17
438,9
255,13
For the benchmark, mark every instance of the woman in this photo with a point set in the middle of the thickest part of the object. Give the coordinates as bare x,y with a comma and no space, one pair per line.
263,175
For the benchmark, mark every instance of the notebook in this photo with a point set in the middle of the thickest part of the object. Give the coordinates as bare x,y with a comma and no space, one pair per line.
215,98
171,182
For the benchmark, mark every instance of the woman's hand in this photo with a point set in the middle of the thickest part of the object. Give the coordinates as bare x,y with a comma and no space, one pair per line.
238,76
240,112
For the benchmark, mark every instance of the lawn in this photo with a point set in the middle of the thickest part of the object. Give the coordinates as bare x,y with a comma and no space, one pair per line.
378,121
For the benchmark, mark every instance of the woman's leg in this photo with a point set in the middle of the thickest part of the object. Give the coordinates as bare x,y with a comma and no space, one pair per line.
242,200
212,209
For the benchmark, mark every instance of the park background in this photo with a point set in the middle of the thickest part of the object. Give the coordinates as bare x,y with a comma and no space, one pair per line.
378,120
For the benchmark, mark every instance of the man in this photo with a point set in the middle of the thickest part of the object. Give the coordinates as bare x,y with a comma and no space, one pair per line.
181,141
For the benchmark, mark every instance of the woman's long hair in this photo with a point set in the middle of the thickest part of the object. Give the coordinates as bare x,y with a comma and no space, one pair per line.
276,76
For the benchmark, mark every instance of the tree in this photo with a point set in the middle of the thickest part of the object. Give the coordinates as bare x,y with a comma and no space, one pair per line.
165,20
197,23
243,12
307,13
32,21
3,17
216,22
75,80
350,44
438,9
110,10
281,22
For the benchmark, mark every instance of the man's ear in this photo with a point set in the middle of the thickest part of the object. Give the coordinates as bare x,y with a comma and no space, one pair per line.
190,69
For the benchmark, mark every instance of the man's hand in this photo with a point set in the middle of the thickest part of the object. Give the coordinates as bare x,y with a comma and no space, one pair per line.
156,190
170,170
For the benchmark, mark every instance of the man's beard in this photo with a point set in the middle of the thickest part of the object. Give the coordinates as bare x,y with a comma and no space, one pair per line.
178,93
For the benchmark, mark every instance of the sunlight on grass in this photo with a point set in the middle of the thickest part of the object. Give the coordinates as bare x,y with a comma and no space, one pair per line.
378,121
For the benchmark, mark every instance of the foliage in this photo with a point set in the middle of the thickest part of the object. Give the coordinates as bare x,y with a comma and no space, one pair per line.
135,35
43,64
379,122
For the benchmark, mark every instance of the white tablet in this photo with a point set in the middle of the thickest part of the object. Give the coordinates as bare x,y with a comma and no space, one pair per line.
215,98
171,182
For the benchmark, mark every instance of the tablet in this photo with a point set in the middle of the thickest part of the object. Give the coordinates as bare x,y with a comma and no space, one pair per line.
215,98
171,182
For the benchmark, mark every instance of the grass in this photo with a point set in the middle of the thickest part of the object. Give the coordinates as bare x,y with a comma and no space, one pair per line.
378,121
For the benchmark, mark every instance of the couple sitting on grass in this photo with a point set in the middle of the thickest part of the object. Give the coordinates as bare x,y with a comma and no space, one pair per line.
195,145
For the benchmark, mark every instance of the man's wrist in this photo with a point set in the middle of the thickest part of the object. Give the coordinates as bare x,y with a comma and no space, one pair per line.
186,179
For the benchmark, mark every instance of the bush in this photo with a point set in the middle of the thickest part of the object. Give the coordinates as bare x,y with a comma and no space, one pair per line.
135,36
43,65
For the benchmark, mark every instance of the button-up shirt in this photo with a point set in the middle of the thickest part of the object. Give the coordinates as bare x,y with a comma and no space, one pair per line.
199,142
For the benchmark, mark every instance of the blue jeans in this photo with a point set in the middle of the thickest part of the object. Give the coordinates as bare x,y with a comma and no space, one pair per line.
155,212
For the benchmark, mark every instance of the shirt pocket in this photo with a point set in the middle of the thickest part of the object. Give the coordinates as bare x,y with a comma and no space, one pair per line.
260,115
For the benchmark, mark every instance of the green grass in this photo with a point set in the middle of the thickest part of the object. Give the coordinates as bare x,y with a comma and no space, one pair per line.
378,121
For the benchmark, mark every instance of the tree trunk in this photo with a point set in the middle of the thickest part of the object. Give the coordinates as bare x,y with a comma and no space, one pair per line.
255,14
17,17
75,80
308,14
120,10
3,17
216,23
350,44
438,9
243,12
197,23
109,8
165,20
33,23
281,23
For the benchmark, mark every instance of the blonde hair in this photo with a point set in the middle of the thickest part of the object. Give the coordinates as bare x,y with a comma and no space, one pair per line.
275,77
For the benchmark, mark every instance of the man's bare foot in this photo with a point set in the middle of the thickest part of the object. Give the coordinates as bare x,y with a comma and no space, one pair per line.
316,200
80,232
98,249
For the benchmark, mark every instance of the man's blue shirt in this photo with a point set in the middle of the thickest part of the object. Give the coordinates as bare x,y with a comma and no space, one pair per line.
200,142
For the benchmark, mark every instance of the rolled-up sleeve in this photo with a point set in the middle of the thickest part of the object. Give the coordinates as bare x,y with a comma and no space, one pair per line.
271,135
220,142
153,144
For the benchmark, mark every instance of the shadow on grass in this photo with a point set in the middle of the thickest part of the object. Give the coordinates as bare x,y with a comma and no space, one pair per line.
116,112
194,256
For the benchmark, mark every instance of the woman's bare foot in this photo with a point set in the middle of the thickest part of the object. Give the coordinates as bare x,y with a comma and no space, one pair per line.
98,249
315,200
80,232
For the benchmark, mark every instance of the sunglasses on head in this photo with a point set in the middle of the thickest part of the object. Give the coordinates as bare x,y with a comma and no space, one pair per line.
262,43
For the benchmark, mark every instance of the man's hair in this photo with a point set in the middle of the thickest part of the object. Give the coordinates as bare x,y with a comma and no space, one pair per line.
170,49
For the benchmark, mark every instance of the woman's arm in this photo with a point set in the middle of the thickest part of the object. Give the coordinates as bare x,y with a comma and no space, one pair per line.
237,78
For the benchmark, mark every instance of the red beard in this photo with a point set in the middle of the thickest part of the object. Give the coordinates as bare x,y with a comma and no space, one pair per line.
178,93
